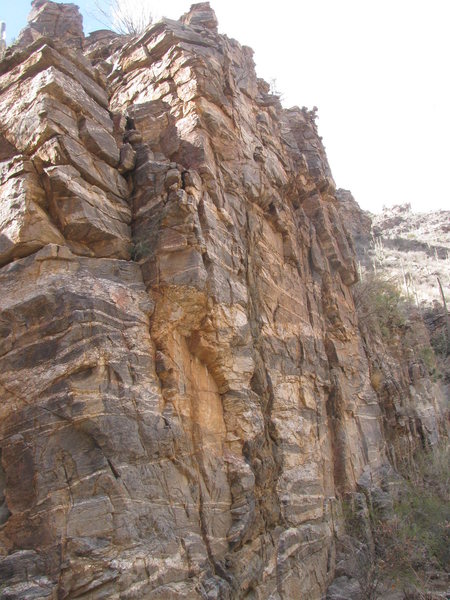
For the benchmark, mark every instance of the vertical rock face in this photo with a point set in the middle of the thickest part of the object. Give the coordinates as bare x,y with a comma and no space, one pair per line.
358,224
186,393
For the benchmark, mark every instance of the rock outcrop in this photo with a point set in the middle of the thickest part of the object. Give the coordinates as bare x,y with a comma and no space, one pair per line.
186,394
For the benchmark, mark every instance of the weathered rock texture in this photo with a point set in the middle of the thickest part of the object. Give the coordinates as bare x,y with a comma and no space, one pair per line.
185,390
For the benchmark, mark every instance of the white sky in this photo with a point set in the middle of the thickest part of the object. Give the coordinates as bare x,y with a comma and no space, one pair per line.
378,70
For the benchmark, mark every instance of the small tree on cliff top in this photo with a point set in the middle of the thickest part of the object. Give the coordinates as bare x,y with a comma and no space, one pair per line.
127,17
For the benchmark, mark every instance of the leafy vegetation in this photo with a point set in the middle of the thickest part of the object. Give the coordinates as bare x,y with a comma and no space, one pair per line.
381,304
139,249
435,320
411,547
428,357
417,539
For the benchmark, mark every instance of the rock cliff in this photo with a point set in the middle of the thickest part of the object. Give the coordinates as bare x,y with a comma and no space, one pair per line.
186,391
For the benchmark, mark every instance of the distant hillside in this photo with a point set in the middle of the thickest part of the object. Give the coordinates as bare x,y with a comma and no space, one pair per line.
411,248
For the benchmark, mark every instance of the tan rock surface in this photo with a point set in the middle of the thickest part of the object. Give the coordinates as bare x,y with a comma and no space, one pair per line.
58,21
182,424
25,227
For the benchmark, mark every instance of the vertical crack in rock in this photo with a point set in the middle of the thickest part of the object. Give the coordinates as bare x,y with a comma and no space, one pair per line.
270,466
4,510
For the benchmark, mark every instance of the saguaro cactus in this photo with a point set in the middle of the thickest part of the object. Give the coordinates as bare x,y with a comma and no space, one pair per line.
2,39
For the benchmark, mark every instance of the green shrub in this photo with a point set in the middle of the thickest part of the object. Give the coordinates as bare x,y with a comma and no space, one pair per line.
416,541
380,304
139,249
439,343
413,543
424,512
427,354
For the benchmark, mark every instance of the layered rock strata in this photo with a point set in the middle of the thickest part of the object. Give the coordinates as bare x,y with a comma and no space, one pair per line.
185,390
